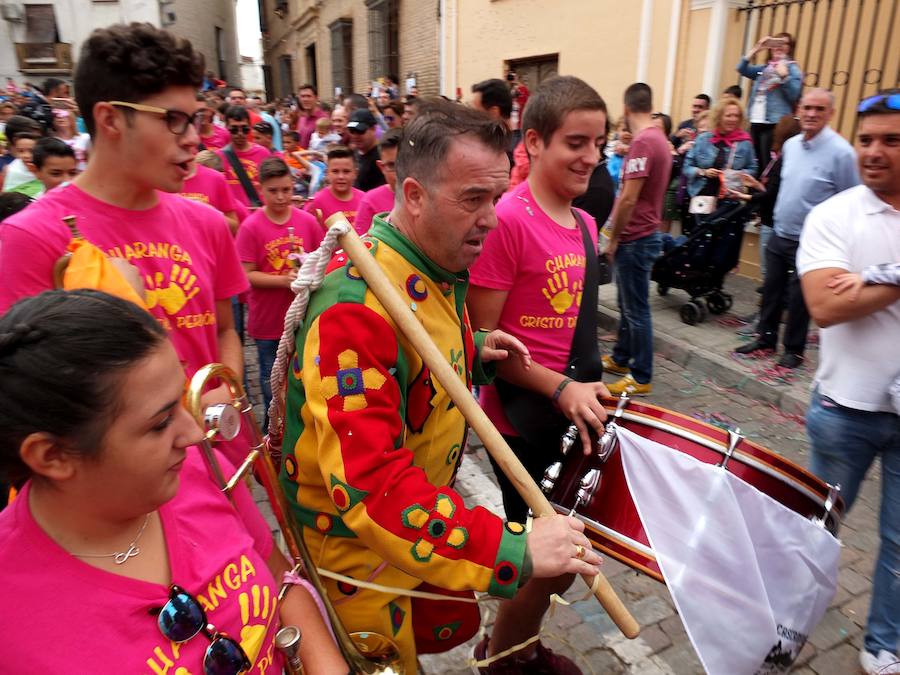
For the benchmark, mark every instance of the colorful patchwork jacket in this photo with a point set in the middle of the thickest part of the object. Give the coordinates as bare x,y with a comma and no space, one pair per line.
372,443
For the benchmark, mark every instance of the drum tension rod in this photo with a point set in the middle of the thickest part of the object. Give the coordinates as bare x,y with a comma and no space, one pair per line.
833,491
734,437
607,442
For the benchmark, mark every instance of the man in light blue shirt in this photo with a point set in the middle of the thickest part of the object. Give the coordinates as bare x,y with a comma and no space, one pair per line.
816,165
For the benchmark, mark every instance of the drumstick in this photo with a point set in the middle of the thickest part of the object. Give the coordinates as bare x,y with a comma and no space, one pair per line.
400,312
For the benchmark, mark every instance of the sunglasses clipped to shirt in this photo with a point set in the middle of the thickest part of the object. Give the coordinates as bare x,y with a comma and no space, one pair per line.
177,121
182,618
891,101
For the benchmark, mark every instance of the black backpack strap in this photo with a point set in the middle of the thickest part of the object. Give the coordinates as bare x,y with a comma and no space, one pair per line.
584,356
242,176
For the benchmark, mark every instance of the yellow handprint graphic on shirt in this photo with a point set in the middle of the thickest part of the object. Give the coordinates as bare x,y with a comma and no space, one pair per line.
255,609
277,258
560,295
180,289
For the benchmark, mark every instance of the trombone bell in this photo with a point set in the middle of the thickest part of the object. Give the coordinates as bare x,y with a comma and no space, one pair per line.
223,421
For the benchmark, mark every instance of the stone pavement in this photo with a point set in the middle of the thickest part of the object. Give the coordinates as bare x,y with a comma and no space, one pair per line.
706,348
694,375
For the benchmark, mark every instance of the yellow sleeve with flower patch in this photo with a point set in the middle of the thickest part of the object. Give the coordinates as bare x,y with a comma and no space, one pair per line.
356,405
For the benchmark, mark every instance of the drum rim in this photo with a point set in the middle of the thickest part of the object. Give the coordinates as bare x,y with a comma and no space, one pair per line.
815,487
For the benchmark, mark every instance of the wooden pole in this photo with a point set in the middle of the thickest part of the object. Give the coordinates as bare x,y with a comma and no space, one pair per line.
412,328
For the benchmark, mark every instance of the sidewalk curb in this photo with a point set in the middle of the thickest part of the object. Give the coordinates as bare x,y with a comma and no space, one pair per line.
721,369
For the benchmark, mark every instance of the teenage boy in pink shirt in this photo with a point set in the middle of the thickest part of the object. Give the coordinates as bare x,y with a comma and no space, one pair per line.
247,153
340,195
267,243
144,139
529,281
381,199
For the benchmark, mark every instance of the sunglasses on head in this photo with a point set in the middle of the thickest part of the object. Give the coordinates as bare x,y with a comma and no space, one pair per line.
182,618
891,101
243,129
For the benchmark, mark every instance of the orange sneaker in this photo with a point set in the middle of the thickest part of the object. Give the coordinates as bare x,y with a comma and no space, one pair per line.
611,366
630,386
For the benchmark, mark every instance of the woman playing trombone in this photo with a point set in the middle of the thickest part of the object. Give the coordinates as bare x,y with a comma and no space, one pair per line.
120,554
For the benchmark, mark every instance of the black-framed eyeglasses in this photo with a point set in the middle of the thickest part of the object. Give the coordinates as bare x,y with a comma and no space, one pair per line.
891,101
389,118
243,129
177,121
182,618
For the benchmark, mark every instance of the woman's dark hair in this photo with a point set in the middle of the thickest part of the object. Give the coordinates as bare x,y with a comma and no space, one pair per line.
62,357
132,63
11,203
666,120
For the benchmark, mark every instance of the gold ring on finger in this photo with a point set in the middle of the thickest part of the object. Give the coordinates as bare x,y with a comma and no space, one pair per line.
579,551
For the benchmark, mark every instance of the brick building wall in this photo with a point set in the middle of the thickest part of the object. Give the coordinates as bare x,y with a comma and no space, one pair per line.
308,22
419,45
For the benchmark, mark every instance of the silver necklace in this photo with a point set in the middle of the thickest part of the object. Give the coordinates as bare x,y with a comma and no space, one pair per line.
121,557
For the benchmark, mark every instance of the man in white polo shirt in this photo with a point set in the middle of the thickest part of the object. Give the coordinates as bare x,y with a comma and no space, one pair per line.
851,419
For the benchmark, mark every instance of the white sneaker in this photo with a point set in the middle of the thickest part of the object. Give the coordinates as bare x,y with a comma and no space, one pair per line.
883,664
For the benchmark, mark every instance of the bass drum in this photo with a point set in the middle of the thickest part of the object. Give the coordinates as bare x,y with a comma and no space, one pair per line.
610,516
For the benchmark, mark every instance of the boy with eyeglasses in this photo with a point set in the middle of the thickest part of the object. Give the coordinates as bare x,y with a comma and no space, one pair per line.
141,121
242,157
381,199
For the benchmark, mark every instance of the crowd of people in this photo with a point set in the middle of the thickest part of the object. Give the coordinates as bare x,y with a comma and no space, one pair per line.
489,218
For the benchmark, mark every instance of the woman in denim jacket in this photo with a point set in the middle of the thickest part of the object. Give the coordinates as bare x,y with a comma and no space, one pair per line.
709,158
777,85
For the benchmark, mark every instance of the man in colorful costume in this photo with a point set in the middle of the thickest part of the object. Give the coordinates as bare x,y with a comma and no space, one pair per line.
373,442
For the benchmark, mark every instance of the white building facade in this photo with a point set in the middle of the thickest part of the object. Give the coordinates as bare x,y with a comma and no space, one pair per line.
42,38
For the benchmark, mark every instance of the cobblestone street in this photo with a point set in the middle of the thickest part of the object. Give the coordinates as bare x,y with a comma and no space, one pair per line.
584,632
663,646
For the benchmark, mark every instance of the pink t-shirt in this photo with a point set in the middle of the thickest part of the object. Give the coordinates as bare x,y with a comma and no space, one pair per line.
267,244
105,619
649,158
208,186
250,159
184,250
240,210
327,203
541,265
377,200
219,138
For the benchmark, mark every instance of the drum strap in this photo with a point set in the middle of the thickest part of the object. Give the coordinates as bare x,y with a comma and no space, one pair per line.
584,356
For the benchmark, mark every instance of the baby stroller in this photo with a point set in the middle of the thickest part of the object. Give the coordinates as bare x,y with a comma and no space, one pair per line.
699,264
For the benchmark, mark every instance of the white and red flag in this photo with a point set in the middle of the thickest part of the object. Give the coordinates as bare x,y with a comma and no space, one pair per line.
749,577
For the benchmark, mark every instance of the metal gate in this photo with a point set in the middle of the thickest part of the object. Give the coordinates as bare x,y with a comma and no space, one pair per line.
848,46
